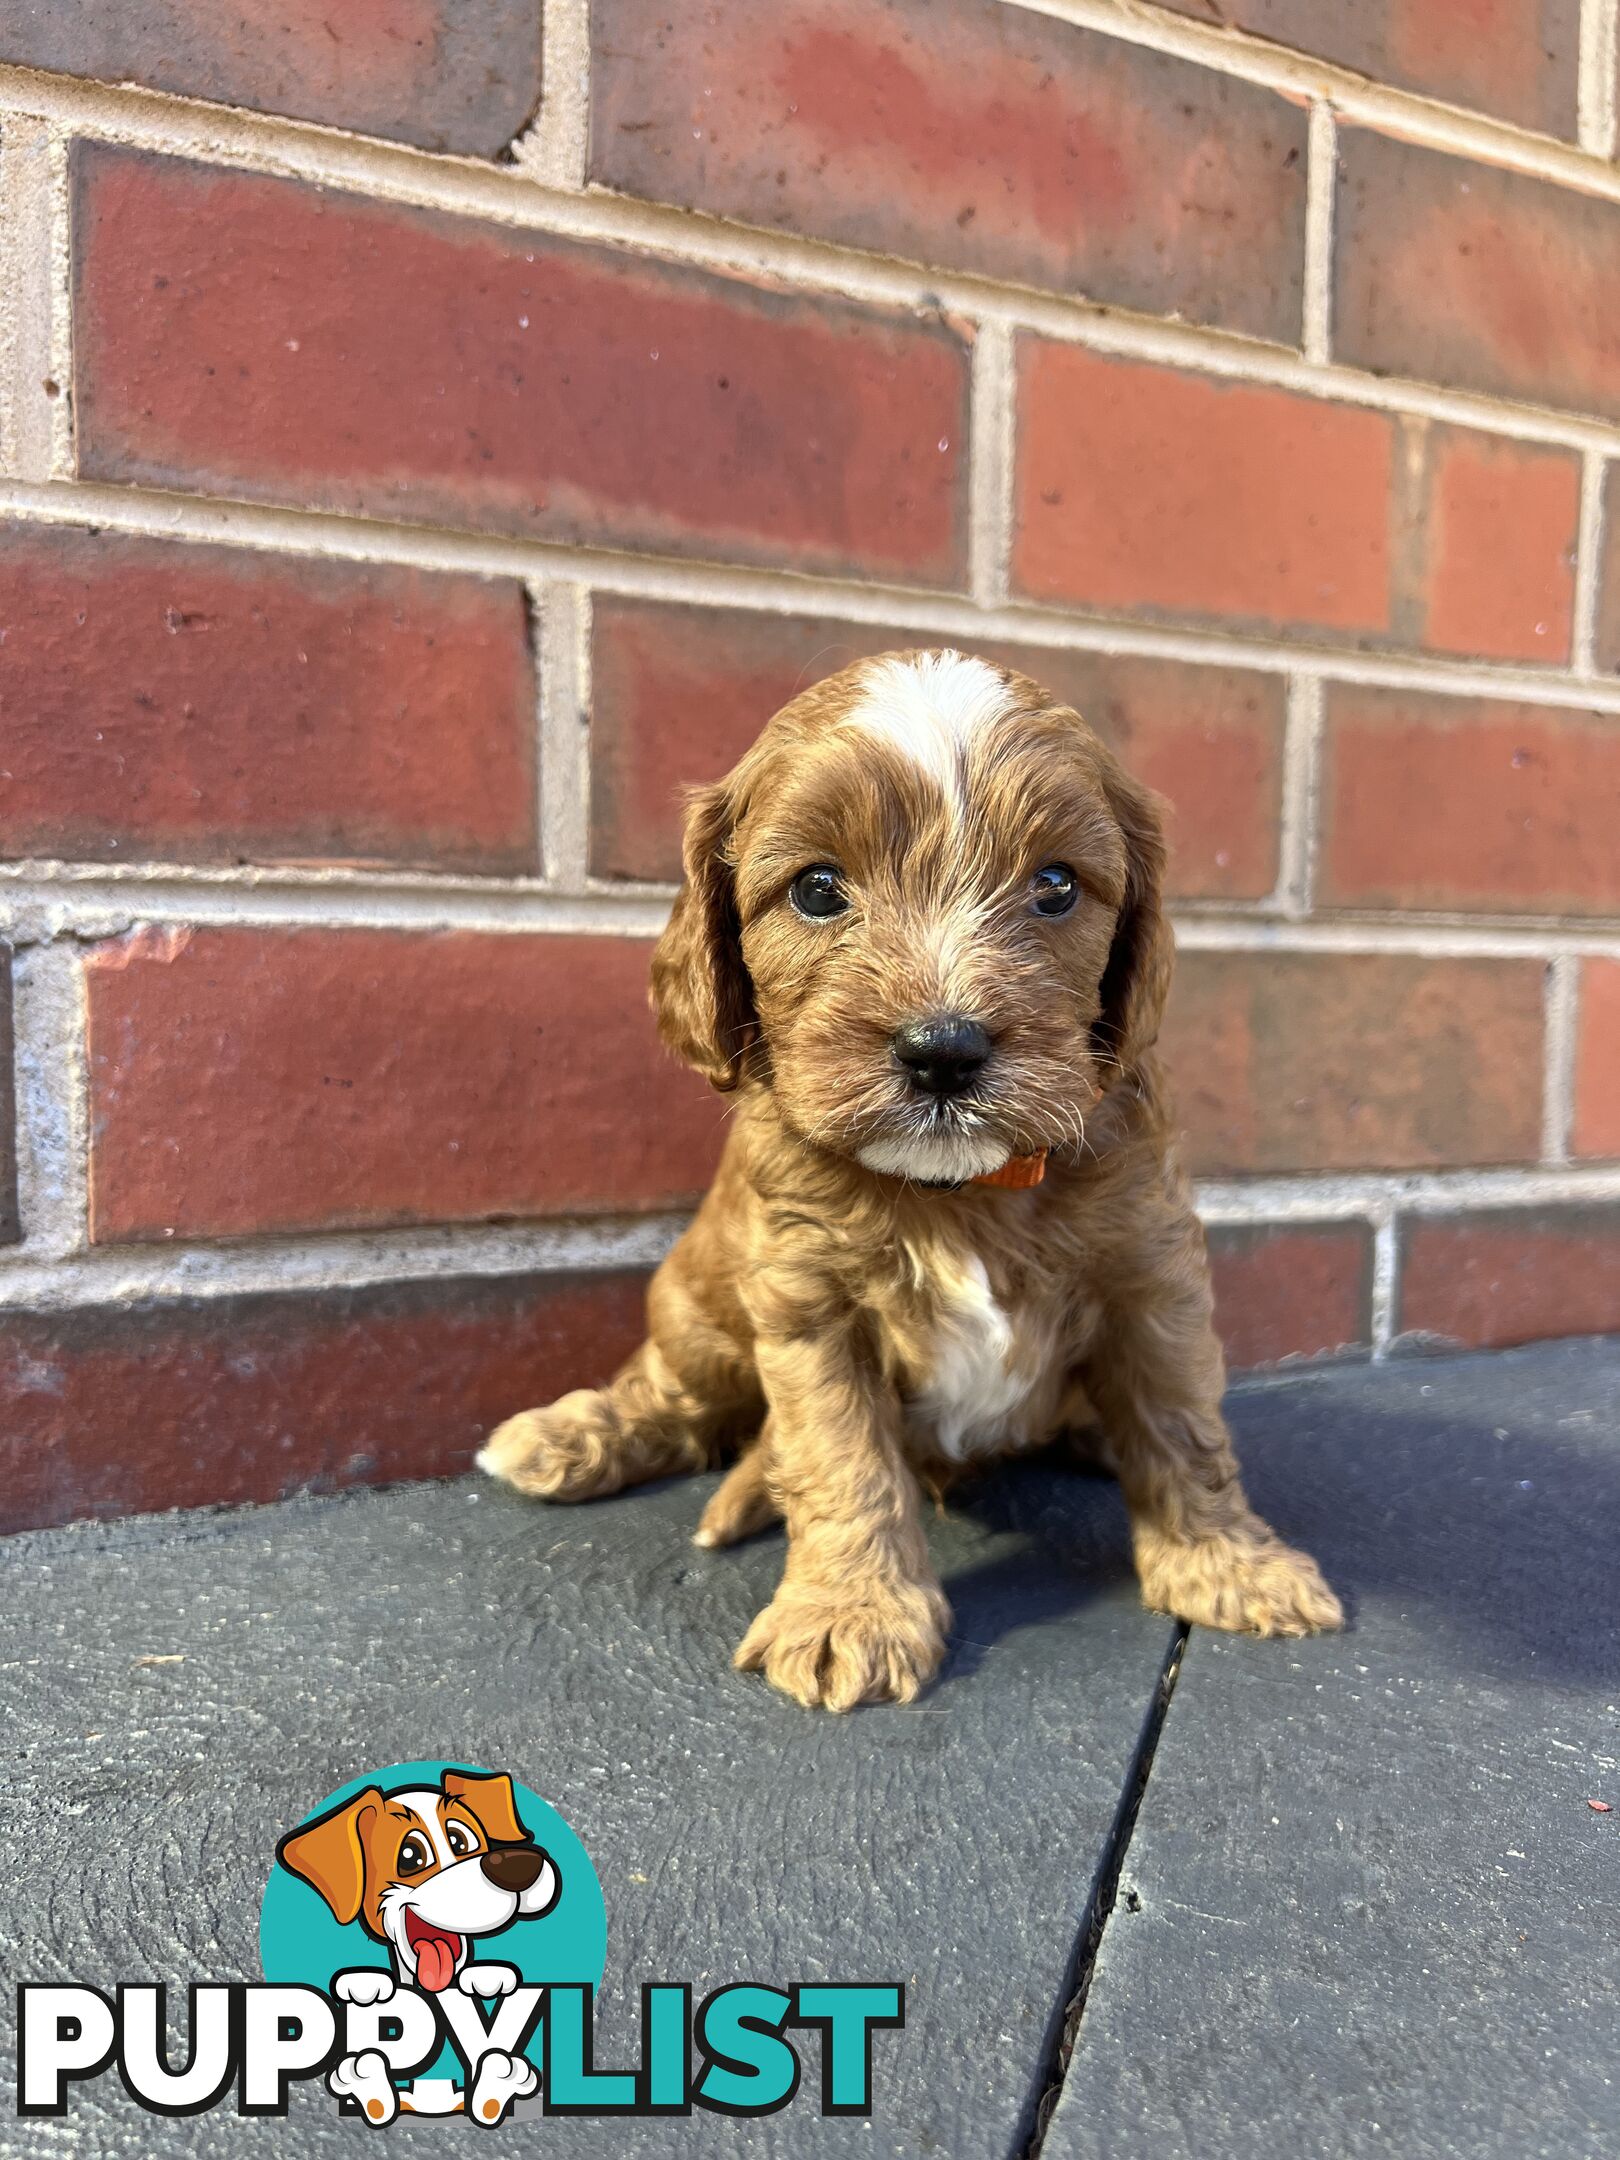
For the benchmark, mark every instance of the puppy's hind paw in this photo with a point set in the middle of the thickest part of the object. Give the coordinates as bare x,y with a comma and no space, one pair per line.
1262,1587
739,1506
833,1651
364,2079
571,1451
501,2079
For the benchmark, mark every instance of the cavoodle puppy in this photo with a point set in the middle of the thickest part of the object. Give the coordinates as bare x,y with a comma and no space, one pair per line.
921,942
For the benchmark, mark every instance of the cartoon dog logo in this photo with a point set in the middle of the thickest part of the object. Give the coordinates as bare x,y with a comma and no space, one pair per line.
426,1870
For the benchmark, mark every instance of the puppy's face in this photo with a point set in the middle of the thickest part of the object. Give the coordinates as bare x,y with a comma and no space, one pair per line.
925,909
427,1871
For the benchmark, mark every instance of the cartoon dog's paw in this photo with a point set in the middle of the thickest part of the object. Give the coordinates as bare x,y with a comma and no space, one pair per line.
883,1645
501,2079
364,1985
487,1981
364,2079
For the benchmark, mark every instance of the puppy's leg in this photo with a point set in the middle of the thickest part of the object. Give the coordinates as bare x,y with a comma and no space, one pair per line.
1202,1553
742,1503
665,1411
859,1616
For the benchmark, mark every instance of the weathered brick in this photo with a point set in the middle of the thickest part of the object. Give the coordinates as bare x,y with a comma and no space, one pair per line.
1443,802
1496,524
964,132
246,1081
259,337
194,1402
1150,490
201,704
1306,1061
9,1226
447,74
1511,1275
679,692
1596,1127
1476,277
1516,58
1291,1289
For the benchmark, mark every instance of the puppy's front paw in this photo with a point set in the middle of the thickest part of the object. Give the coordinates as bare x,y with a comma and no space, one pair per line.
570,1451
872,1644
365,1985
1263,1587
487,1981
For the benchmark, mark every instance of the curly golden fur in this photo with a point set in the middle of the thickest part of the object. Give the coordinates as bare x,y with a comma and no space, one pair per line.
850,1306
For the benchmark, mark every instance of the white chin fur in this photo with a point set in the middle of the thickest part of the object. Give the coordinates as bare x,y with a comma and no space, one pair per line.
937,1158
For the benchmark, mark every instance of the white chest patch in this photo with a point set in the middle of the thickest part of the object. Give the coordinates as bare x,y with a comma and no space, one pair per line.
972,1387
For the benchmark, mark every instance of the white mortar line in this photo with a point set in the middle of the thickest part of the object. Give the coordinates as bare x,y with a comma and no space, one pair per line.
340,1261
1321,174
990,473
555,147
509,194
282,531
36,440
564,615
52,1129
1301,788
116,1275
1385,1287
1558,1083
1597,78
1366,1196
1588,563
42,901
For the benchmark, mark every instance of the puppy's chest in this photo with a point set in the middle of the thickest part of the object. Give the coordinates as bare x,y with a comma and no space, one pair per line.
979,1353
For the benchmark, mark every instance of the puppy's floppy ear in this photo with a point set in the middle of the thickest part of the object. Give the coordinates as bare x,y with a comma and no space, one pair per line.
700,988
492,1800
328,1854
1136,980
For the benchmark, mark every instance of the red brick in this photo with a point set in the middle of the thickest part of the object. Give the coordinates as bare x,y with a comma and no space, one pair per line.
679,692
115,1410
1291,1289
1316,1061
1473,276
1596,1129
447,74
259,337
964,132
1516,58
245,1081
1498,577
1512,1275
1468,803
9,1226
1148,490
1141,488
198,704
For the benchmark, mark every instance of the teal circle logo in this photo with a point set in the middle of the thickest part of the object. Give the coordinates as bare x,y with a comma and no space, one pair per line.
440,1879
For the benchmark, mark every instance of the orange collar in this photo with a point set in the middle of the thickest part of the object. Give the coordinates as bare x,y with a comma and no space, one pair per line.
1017,1174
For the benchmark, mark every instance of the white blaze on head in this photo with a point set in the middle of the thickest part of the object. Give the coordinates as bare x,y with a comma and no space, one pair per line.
930,707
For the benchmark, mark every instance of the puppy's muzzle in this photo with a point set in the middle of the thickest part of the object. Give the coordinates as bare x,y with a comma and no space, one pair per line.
512,1867
942,1056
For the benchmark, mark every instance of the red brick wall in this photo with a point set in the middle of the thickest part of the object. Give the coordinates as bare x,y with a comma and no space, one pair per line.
425,450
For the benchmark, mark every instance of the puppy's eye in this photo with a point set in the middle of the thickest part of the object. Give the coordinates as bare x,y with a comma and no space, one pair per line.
414,1855
818,892
459,1837
1054,889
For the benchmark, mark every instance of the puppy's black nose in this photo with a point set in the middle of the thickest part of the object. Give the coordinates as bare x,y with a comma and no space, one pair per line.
944,1055
513,1867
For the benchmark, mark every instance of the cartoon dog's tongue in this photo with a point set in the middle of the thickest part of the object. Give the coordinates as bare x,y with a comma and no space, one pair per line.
436,1953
